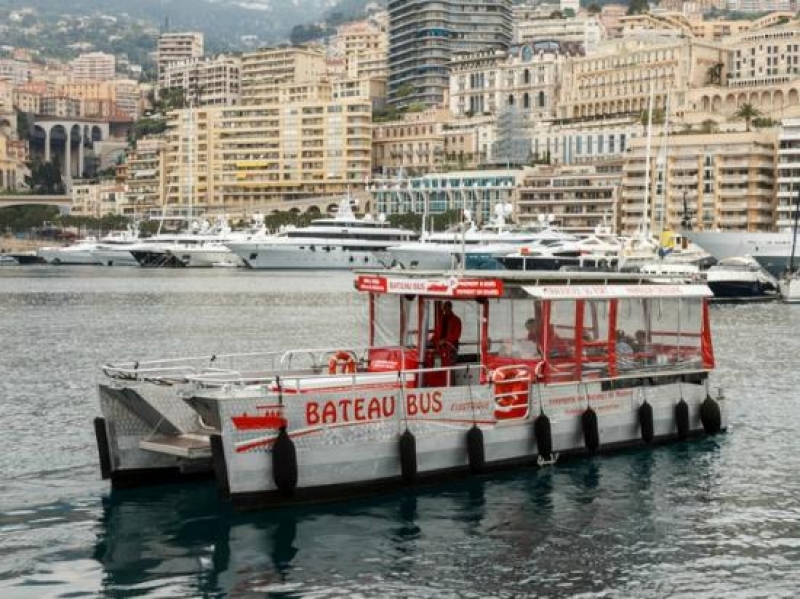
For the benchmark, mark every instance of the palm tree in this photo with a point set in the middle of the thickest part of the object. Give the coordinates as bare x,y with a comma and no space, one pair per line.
748,112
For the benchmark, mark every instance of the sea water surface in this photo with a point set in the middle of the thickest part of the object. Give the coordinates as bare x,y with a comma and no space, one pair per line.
710,518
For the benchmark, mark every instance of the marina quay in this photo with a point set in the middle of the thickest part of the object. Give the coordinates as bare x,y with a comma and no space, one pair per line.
399,298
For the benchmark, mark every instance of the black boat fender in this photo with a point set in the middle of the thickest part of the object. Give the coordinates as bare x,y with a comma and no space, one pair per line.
543,433
476,452
711,415
646,421
591,430
682,419
284,463
408,457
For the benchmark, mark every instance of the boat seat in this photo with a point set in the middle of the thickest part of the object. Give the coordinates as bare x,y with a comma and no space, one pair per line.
360,380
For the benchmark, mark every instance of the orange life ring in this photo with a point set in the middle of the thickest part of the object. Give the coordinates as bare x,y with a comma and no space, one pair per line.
343,359
511,392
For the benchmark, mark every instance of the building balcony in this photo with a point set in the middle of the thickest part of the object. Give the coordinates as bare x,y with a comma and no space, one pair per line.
732,221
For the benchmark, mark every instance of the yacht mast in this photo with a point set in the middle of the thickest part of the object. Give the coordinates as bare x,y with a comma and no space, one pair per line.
663,161
646,215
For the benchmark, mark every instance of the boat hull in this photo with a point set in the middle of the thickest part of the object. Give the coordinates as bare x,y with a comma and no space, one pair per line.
114,257
347,442
59,256
291,257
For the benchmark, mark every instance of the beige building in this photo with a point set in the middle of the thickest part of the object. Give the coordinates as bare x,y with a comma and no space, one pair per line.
617,80
61,106
580,198
528,77
728,181
262,70
364,47
27,101
94,66
12,164
206,81
104,99
145,176
175,47
414,144
761,68
265,156
584,31
98,199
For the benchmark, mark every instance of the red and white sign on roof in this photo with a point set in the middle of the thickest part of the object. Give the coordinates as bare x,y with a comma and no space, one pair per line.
451,287
556,292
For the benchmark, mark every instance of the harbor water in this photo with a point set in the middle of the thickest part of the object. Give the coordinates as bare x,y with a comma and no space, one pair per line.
710,518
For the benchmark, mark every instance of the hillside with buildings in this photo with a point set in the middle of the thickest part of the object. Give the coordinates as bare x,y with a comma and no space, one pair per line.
412,110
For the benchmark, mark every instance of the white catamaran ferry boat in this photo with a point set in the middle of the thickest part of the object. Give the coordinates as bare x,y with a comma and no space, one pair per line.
459,373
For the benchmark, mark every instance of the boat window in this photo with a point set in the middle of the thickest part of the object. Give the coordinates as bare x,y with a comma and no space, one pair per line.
388,322
560,342
513,328
595,333
633,334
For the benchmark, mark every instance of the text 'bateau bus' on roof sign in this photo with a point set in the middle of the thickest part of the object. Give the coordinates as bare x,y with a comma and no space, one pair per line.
451,287
546,292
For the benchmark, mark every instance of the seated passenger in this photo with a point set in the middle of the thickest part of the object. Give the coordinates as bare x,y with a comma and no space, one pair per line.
624,351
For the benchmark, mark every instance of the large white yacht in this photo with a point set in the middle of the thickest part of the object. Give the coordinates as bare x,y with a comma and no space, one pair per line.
770,250
478,249
341,242
79,252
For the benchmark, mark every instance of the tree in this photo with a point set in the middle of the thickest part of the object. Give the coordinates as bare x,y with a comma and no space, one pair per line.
569,13
714,74
23,126
709,126
638,7
45,178
658,117
594,9
748,112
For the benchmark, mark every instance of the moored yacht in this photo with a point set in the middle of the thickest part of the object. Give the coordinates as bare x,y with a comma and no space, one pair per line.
80,252
740,277
338,243
770,250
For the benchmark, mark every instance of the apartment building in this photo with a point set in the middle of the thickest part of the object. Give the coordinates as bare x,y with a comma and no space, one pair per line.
788,173
61,106
364,47
478,191
618,78
584,31
206,81
579,198
727,180
414,144
527,77
175,47
424,35
98,199
583,142
145,177
94,66
262,70
12,170
265,156
104,99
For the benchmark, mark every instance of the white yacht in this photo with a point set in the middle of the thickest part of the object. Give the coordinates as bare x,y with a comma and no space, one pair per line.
770,250
740,277
114,249
203,246
341,242
479,249
80,252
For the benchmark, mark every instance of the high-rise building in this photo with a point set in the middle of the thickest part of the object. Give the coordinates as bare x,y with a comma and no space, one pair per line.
206,81
264,69
94,66
788,172
424,35
726,180
174,47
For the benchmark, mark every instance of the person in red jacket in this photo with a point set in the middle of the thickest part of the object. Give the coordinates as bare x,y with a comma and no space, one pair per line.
448,334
